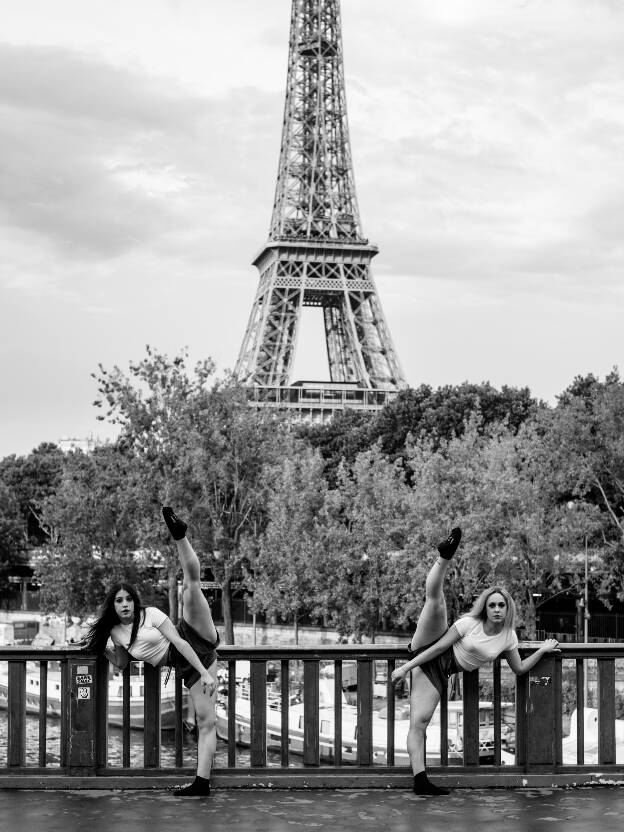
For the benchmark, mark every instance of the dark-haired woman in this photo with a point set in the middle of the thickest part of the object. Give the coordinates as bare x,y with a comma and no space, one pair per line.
485,632
141,633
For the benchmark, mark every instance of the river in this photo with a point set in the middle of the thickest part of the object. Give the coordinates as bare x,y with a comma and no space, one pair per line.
167,753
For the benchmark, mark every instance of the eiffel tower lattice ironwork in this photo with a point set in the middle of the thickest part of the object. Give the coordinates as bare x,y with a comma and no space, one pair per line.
316,254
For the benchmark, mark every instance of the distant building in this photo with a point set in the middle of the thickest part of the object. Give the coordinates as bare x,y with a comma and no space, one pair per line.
67,444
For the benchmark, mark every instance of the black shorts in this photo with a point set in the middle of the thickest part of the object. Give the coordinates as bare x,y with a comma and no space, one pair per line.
438,670
206,651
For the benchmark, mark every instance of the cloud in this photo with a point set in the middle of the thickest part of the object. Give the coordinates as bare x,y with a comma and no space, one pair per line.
99,160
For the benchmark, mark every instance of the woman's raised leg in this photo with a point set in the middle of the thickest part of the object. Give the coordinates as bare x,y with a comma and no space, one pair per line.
196,613
432,622
196,609
424,696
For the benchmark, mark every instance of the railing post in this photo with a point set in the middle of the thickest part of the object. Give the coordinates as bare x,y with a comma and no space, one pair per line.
151,716
311,751
364,712
471,735
101,698
606,711
82,755
16,755
257,713
541,714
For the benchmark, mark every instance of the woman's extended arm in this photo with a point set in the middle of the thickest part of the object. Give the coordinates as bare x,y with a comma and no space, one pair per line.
449,638
183,647
520,666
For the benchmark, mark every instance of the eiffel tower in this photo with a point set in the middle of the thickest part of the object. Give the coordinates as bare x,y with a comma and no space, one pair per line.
316,254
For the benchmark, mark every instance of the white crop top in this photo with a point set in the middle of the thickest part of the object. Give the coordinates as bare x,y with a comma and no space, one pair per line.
475,648
150,645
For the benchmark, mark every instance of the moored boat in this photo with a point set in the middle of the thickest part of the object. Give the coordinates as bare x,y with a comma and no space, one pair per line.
379,728
115,696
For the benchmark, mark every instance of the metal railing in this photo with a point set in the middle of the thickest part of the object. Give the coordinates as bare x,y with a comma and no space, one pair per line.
297,721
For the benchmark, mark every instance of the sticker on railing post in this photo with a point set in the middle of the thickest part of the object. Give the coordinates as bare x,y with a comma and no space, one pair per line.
83,680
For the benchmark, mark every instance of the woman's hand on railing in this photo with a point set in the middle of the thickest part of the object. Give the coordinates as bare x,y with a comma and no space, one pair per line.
398,675
551,645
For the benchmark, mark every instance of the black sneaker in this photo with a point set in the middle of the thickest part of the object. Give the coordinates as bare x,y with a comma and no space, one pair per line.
176,526
448,547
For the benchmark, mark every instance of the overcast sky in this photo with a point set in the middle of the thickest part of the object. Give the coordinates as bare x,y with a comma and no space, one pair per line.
138,155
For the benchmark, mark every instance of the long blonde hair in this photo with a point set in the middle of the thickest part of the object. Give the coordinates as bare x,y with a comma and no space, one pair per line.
478,608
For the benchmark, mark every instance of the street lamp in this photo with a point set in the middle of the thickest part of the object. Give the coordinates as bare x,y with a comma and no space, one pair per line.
536,597
586,612
584,602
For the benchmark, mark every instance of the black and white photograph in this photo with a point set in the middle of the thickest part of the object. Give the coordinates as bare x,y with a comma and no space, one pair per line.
312,425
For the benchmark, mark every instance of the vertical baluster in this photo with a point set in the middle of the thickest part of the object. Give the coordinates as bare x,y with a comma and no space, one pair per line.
151,716
16,756
496,679
102,671
364,712
65,710
125,717
285,705
311,752
43,712
258,713
558,683
522,698
390,699
338,712
606,711
231,710
444,728
179,719
580,712
471,718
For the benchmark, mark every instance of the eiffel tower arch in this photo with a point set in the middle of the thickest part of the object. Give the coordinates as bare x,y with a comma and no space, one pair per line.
316,254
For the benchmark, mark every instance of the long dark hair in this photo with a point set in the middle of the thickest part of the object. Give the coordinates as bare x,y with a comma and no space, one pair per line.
100,630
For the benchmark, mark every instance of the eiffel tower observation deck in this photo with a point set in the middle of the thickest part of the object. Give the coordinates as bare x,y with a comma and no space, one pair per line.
316,254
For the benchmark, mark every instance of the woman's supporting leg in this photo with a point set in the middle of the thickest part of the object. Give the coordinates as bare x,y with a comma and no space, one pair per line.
206,729
424,699
204,706
423,702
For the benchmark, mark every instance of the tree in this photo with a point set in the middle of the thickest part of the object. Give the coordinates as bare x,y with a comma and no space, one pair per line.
347,434
94,520
202,448
11,540
583,438
31,479
367,520
485,481
25,482
283,563
442,413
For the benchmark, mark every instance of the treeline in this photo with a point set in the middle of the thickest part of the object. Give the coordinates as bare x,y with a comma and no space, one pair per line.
335,522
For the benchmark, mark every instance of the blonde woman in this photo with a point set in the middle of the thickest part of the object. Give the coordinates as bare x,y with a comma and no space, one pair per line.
481,635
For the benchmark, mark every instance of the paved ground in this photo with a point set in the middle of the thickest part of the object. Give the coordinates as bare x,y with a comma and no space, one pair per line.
392,810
